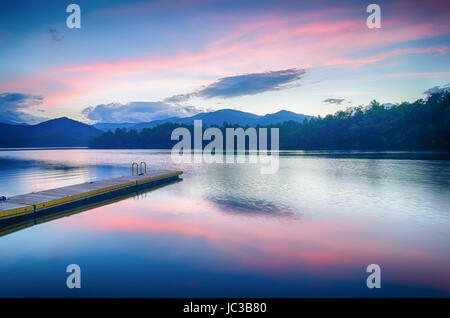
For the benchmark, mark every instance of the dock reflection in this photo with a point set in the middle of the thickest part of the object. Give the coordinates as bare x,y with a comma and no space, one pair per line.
44,218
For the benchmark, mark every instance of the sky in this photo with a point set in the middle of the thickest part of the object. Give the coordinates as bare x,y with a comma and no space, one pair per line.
134,61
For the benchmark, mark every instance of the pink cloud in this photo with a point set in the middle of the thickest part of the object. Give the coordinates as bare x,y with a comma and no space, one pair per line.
261,43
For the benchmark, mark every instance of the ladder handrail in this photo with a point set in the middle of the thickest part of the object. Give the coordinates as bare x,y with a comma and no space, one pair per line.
145,167
132,168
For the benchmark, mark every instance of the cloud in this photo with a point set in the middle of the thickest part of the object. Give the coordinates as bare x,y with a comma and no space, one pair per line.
12,107
136,112
334,100
240,42
246,84
251,84
247,44
55,35
437,89
179,98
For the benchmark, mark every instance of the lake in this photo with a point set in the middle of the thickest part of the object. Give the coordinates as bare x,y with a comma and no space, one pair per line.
227,230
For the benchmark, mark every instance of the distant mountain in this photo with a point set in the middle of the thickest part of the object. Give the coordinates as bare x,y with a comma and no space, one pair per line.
281,117
231,116
113,126
60,132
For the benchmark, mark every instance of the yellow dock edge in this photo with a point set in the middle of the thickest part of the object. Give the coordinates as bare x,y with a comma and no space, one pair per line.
159,177
34,208
17,211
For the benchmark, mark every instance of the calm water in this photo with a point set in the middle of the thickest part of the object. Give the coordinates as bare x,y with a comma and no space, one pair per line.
226,230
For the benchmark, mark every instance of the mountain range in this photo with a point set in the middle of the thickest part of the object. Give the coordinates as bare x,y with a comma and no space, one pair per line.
65,132
231,116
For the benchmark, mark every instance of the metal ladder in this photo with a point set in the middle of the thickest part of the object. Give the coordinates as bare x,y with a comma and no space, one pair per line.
139,167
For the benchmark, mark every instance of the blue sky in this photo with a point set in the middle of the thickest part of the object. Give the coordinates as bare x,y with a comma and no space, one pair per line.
145,60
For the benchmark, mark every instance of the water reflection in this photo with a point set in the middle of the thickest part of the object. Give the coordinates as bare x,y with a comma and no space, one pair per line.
251,207
226,230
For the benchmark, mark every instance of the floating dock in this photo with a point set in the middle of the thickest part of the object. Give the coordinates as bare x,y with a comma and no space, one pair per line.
36,204
48,216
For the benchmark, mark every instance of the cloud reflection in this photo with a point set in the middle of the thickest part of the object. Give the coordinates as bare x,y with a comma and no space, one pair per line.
273,247
251,207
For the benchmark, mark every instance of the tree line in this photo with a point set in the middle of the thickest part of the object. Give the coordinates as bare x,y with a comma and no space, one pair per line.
419,125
